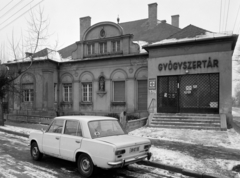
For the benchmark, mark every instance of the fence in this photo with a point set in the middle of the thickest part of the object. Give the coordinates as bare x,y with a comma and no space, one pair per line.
29,119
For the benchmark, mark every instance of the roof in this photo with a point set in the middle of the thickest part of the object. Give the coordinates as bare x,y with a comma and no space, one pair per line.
141,31
42,55
67,51
188,32
205,37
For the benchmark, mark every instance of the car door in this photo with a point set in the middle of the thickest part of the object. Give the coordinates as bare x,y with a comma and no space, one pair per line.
51,138
70,139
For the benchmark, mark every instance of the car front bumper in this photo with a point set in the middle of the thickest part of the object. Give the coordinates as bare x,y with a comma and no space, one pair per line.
125,162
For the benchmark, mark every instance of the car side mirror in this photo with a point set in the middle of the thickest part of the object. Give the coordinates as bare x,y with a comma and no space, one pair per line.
42,130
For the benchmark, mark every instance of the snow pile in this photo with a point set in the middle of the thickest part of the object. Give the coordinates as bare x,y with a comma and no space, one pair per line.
17,129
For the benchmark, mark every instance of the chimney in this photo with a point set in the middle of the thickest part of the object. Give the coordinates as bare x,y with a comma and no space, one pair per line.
175,20
152,15
85,23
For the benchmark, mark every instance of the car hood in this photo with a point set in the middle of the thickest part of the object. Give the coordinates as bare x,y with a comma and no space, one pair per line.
124,140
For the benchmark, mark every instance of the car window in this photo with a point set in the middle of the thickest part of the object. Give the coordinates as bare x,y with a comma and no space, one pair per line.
56,127
105,128
72,128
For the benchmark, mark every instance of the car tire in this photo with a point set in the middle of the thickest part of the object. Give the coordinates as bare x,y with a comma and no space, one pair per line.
85,165
35,153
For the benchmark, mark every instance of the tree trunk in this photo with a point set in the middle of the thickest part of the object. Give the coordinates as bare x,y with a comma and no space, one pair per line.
1,114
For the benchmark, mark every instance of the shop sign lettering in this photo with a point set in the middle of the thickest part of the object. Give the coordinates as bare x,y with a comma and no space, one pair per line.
200,64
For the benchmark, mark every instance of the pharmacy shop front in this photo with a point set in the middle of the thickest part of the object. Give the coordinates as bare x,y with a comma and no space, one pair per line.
191,77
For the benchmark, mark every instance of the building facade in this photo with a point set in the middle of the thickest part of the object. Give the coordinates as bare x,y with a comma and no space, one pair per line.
133,67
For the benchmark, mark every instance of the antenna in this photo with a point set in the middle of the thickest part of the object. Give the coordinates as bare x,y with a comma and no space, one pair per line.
118,19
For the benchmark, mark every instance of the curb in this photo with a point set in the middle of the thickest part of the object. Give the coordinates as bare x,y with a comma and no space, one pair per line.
15,133
185,172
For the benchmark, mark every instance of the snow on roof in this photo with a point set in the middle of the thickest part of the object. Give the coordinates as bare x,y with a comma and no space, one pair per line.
207,35
141,44
40,56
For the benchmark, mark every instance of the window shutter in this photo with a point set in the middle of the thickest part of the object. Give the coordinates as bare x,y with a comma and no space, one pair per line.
119,91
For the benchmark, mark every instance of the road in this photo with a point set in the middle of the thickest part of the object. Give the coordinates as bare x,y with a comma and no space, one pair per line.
16,162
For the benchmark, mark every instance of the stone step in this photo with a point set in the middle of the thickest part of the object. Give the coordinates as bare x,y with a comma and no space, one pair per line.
186,120
186,127
186,114
186,124
187,117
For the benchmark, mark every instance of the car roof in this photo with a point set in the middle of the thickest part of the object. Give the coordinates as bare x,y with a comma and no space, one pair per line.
86,118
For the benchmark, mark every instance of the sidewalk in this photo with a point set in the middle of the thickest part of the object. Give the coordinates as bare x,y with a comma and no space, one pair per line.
213,152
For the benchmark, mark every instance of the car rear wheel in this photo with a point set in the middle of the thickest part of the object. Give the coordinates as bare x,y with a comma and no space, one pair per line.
85,165
35,153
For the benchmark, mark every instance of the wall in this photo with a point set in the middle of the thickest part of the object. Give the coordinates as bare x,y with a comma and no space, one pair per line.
43,74
113,69
135,124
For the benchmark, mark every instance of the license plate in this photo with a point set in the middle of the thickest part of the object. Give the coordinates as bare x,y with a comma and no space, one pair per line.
135,149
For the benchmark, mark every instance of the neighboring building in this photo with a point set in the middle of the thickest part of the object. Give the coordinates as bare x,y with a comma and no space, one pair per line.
125,66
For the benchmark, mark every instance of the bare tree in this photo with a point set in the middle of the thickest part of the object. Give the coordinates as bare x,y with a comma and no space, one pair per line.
37,34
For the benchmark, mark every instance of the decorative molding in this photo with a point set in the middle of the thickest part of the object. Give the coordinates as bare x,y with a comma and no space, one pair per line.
118,103
101,93
130,70
85,103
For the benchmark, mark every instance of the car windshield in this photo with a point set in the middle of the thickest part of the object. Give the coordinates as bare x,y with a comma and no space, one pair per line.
105,128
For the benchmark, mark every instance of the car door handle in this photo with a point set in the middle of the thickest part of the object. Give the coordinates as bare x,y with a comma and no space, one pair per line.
77,141
57,138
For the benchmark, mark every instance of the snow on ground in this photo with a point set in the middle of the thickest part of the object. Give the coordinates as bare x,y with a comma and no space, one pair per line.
223,139
229,139
11,167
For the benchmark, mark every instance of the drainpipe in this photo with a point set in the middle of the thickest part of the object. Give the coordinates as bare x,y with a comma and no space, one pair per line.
58,87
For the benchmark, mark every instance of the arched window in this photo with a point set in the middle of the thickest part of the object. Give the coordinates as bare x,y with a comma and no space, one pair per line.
118,81
67,87
87,90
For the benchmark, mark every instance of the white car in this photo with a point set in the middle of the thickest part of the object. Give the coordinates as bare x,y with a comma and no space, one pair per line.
89,141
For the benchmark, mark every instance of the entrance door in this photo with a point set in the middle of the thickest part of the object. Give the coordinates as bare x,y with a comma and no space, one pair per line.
142,94
167,94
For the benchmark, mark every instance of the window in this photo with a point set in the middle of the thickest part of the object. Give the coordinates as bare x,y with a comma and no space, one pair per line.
90,49
28,93
73,128
119,91
87,92
115,46
56,127
105,128
55,92
67,92
103,48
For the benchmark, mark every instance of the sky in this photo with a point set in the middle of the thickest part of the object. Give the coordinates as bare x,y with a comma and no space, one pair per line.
63,16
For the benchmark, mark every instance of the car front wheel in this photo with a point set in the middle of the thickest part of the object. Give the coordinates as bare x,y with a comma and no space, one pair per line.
85,165
35,153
